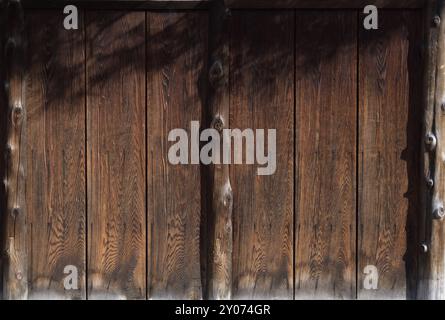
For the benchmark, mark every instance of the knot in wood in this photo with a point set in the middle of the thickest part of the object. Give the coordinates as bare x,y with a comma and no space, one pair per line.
218,124
439,212
8,150
430,182
430,141
17,111
9,47
16,212
216,73
436,21
227,200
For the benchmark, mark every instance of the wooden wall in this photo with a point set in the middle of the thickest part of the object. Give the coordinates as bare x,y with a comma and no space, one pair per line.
103,197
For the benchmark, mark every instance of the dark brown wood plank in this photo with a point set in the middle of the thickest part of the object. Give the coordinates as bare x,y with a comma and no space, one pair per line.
15,250
261,97
431,259
3,140
176,59
56,184
116,155
390,126
220,227
326,53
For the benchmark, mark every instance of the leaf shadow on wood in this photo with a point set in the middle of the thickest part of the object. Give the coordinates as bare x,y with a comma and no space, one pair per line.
53,42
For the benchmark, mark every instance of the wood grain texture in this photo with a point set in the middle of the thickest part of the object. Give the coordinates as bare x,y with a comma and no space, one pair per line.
3,141
431,283
56,179
390,127
326,80
261,97
220,222
116,155
176,60
15,272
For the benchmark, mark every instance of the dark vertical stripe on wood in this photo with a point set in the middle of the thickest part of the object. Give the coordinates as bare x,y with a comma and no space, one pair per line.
176,59
261,95
390,128
326,50
3,141
55,188
116,155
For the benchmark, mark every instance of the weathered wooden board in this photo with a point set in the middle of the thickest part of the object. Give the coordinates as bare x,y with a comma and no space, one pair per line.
56,184
116,140
176,59
3,142
262,97
390,85
326,82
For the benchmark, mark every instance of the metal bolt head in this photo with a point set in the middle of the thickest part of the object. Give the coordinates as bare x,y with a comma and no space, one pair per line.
436,21
439,212
424,248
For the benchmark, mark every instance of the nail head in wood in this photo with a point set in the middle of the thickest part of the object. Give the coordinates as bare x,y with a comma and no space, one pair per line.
424,248
436,21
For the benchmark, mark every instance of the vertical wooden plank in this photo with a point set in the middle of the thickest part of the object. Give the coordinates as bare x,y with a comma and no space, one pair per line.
15,250
261,93
116,155
3,137
220,222
177,52
326,53
431,282
56,184
390,127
